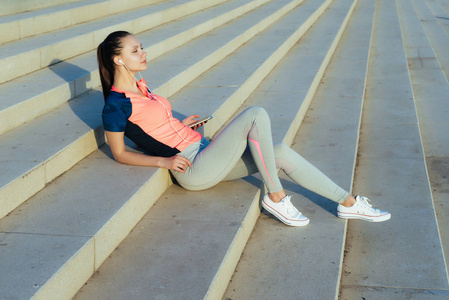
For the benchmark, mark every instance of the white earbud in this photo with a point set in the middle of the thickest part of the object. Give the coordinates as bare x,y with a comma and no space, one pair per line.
120,61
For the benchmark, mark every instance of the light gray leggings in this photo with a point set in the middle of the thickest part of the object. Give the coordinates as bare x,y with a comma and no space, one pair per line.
245,147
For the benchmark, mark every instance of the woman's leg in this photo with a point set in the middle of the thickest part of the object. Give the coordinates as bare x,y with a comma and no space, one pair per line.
298,169
251,128
308,176
244,147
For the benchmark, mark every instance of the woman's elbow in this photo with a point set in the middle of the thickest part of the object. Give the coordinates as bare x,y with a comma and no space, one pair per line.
119,157
119,160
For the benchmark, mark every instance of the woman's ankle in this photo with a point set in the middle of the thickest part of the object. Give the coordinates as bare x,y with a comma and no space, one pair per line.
349,201
277,196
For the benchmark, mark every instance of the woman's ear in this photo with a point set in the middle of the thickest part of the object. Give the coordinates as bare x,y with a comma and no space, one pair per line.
118,61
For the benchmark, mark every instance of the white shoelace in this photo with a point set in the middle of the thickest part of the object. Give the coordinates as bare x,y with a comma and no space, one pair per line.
364,203
291,210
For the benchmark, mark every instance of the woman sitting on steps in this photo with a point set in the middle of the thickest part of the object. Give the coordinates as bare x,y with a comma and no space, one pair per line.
244,147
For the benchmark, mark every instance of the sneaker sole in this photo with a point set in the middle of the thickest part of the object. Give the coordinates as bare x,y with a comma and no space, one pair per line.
284,219
381,218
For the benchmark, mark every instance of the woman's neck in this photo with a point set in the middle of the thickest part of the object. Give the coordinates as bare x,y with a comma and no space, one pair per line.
125,82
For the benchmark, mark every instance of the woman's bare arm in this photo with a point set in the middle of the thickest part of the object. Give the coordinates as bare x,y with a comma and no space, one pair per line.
117,145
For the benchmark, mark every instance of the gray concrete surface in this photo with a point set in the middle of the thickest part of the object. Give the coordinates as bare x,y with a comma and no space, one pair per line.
305,263
189,244
177,248
34,22
428,71
32,259
33,53
405,252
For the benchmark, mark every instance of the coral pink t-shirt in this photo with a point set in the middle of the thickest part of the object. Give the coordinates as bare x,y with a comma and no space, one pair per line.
147,121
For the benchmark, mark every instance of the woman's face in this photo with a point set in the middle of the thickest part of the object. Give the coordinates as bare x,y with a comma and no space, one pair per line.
133,55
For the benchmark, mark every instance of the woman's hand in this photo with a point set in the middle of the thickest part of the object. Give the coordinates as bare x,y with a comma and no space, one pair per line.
190,120
177,163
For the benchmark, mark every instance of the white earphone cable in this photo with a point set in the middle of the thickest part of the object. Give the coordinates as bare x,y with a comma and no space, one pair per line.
155,98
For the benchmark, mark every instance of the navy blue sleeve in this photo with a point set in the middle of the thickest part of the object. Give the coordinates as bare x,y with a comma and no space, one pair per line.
116,112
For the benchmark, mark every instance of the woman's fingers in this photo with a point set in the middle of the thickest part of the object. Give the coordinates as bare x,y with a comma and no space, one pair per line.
189,119
198,125
183,159
181,163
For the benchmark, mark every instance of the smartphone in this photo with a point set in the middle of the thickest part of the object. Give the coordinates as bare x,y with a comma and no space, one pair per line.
203,120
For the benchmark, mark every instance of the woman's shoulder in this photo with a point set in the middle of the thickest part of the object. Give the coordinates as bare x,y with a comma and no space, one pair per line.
117,102
116,111
116,97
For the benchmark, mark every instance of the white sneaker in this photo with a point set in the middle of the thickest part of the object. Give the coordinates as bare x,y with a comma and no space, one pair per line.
285,211
362,210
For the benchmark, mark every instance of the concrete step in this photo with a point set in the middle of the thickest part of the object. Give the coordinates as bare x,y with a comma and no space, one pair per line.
441,10
430,90
444,5
30,54
189,243
305,263
96,204
60,154
46,89
41,20
402,257
10,7
432,19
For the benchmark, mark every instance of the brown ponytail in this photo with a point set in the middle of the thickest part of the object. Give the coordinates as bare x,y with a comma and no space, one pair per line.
106,51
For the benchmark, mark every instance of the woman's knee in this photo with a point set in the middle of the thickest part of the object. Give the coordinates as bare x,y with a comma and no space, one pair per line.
257,112
282,150
286,158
